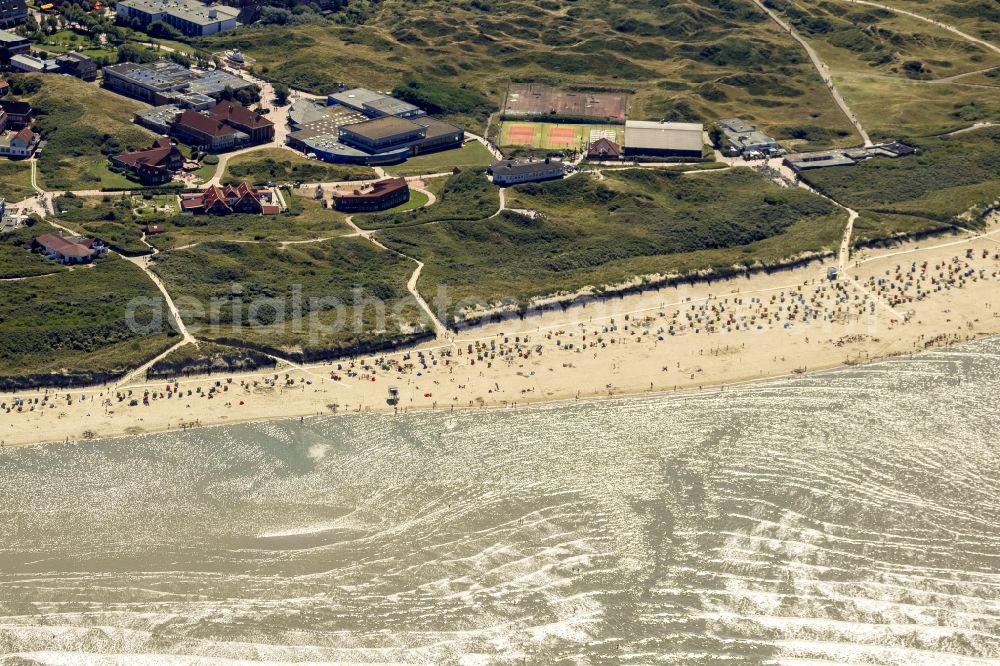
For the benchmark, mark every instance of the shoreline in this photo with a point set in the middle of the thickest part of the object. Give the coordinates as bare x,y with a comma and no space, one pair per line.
678,340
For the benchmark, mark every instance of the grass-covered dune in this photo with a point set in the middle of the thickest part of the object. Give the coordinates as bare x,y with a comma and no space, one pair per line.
681,60
952,179
468,195
83,124
277,164
73,326
605,232
332,281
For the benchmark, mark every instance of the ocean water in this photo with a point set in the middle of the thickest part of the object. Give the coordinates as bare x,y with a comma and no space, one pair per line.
849,517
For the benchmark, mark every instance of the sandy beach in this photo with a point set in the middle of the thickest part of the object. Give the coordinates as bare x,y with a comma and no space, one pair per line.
903,300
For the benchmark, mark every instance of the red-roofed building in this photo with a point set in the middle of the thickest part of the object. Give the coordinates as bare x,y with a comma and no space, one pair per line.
155,165
230,199
21,143
251,123
68,249
208,132
380,196
604,149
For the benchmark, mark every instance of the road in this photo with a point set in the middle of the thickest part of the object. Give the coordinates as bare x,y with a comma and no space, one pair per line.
824,71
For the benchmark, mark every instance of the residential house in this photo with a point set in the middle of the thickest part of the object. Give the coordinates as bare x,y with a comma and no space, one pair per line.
78,65
208,132
230,199
153,166
512,172
21,143
68,249
379,196
18,113
251,123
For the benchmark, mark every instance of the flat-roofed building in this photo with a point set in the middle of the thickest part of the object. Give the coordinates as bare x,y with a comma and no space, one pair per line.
146,82
512,172
159,118
799,162
14,43
167,82
374,104
26,63
192,18
382,134
660,139
742,138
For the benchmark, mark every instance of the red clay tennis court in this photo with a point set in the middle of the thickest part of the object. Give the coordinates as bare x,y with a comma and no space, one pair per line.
521,134
562,136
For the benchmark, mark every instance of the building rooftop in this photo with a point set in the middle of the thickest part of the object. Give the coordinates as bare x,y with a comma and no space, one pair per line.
391,106
436,128
377,190
240,114
12,38
161,75
357,96
736,125
383,128
215,81
205,124
522,166
189,10
659,135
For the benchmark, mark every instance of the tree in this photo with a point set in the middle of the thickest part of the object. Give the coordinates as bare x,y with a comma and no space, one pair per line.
715,136
281,93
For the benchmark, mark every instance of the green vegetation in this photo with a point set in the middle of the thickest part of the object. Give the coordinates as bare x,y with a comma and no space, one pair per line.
443,99
279,165
208,358
83,124
121,220
599,233
417,200
334,282
680,60
465,196
76,322
111,219
895,70
472,155
16,257
952,179
15,181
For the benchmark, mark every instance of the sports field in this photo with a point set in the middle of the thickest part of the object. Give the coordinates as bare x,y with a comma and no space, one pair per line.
533,100
557,136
